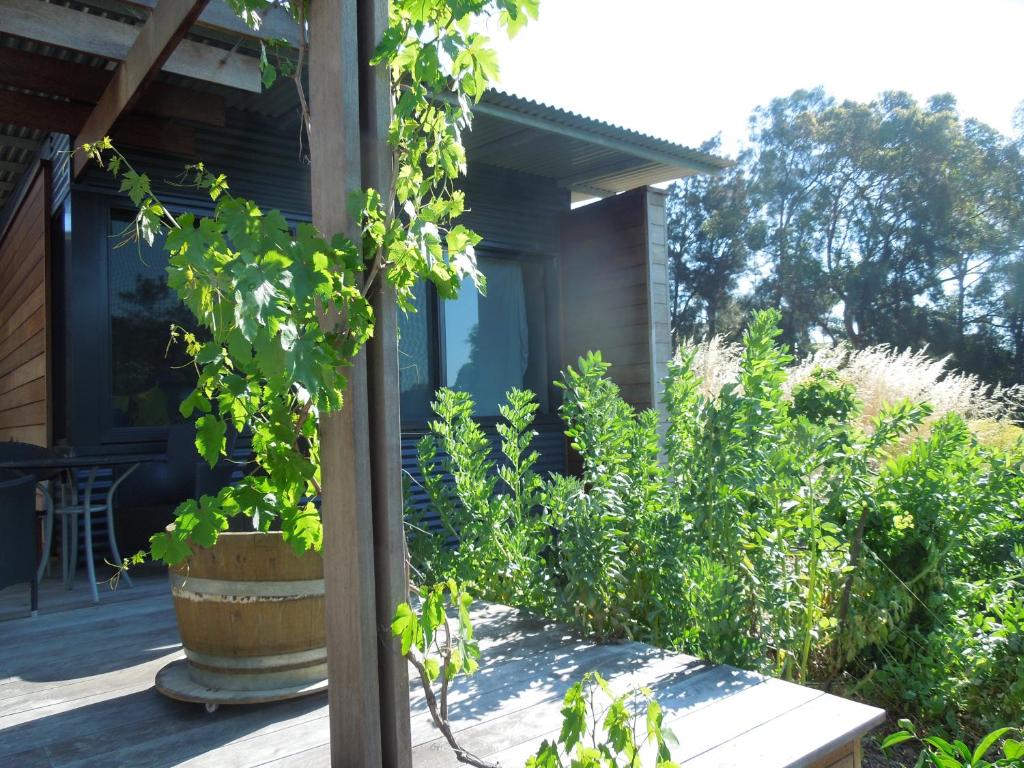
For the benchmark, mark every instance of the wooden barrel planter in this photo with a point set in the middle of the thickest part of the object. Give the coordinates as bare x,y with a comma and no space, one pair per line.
251,616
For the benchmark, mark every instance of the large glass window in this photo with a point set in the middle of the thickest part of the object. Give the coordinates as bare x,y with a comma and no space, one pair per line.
484,345
149,377
487,340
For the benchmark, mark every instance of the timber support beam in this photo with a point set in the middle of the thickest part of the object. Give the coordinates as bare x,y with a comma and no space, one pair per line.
156,41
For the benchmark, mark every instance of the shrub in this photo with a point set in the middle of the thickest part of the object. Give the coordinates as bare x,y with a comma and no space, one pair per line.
774,526
879,377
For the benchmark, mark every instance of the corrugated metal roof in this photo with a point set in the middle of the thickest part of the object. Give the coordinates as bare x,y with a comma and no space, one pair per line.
590,157
587,156
575,121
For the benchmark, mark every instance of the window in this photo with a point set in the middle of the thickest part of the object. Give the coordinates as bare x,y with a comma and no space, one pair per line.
149,377
416,361
484,345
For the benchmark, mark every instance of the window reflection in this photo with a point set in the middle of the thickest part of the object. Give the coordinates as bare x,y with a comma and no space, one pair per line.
415,361
149,380
496,342
490,343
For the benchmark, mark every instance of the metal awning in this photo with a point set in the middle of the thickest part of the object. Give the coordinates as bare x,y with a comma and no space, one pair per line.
589,157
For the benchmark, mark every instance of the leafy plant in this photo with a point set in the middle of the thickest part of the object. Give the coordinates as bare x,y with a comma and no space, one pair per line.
613,734
283,314
770,527
956,754
499,537
438,651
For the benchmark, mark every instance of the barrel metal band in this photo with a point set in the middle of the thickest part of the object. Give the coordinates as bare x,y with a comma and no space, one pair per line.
195,588
275,661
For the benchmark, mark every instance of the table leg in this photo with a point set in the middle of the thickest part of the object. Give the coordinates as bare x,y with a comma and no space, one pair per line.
47,532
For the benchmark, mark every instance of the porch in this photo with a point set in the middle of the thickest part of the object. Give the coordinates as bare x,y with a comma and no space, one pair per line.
76,689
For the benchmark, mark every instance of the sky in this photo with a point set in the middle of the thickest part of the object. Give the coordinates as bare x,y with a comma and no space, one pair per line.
685,71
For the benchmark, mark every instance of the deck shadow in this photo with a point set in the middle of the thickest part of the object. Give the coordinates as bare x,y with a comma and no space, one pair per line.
146,728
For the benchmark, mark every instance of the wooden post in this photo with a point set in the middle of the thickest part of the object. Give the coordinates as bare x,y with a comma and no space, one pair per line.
385,420
353,678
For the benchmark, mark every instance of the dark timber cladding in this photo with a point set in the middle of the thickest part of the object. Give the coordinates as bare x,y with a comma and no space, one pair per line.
613,277
24,302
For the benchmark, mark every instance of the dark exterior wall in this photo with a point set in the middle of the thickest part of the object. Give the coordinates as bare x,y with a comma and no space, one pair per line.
612,279
24,318
515,214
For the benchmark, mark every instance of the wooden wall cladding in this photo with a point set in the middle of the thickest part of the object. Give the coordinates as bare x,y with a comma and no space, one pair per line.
24,317
605,290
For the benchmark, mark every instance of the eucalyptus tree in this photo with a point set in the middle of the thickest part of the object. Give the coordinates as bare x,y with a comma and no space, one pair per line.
887,222
788,174
711,239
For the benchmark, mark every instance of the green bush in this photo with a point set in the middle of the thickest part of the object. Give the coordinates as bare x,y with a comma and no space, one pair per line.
763,529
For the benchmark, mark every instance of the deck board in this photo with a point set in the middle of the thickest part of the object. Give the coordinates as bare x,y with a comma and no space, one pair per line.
76,690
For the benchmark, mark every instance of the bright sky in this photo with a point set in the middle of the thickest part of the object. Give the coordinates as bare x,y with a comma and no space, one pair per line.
685,70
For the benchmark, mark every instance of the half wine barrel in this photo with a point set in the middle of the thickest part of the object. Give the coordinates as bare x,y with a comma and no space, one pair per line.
251,614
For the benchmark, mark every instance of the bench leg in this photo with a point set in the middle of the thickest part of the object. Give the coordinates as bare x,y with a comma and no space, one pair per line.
846,756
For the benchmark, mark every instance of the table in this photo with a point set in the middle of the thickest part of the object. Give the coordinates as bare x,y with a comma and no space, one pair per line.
70,507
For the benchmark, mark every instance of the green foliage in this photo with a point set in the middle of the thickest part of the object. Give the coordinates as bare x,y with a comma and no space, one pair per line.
427,635
499,538
764,529
940,753
825,398
884,222
436,636
613,734
283,313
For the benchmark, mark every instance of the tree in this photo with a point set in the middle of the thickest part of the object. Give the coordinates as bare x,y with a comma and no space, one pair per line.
789,173
711,237
890,221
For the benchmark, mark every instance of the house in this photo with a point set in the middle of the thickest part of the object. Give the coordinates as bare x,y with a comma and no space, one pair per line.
84,320
85,363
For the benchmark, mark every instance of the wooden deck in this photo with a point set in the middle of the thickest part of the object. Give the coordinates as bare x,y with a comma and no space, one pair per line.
76,689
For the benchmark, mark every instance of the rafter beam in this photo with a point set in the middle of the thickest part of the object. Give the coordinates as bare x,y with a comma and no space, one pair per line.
85,84
100,36
217,16
587,189
41,113
155,43
486,149
601,172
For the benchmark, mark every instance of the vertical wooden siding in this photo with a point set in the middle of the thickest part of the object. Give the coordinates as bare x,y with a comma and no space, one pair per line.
657,283
607,291
24,319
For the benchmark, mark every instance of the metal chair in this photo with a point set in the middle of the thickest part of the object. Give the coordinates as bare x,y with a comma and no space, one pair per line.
18,543
70,509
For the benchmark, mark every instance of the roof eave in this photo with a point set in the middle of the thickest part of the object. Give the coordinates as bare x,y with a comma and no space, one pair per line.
690,160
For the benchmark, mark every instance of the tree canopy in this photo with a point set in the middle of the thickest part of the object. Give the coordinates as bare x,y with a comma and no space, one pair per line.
890,222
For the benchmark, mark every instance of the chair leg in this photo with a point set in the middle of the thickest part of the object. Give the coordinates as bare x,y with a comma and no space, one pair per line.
73,553
90,565
34,600
112,541
65,551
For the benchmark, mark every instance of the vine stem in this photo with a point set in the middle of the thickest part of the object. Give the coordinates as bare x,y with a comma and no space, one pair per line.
463,755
